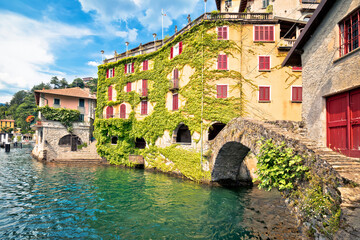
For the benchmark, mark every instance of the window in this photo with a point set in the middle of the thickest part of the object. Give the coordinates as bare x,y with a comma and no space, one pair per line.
109,112
223,33
175,83
222,62
114,140
176,50
122,111
264,33
221,91
110,93
81,102
266,3
296,94
296,69
175,102
81,117
264,63
129,68
264,94
56,101
110,73
145,65
144,89
144,107
349,33
128,87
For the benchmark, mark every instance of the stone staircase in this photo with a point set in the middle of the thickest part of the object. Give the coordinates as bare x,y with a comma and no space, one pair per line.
85,155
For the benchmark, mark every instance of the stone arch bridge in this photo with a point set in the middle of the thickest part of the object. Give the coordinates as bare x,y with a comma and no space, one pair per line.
234,150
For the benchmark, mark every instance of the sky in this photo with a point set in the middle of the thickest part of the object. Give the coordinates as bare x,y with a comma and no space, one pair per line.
41,39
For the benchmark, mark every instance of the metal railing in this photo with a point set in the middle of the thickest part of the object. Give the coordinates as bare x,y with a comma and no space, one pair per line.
287,42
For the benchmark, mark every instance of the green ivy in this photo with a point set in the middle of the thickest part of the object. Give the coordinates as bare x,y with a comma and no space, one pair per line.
65,116
278,167
200,52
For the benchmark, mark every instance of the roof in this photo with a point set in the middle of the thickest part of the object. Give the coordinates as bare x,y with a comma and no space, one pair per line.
294,56
6,120
72,92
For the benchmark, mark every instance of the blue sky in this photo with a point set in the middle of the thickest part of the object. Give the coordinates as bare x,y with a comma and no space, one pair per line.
41,39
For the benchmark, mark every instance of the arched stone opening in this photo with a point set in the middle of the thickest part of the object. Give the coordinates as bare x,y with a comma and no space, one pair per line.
70,140
140,143
214,130
226,170
182,134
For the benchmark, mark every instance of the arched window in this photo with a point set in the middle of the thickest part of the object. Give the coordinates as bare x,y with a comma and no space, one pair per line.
110,91
122,111
215,129
183,134
109,112
140,143
114,140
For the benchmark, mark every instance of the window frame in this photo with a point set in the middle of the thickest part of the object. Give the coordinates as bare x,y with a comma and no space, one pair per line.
145,65
263,40
292,97
58,100
83,101
142,106
263,69
346,44
222,36
128,87
217,92
227,62
264,100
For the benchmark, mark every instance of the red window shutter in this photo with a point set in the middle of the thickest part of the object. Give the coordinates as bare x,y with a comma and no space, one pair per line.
144,87
222,62
219,62
122,111
264,93
225,32
144,107
257,33
109,112
176,73
261,63
113,72
221,91
171,52
132,67
145,65
225,62
218,90
266,33
128,87
125,68
297,94
267,62
271,33
107,73
180,47
264,62
220,32
224,91
175,102
261,36
110,93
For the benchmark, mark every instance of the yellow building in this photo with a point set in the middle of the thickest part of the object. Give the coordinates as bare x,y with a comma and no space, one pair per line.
6,124
218,67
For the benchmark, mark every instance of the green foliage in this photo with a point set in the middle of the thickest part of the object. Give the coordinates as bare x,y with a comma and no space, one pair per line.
18,138
65,116
84,145
278,167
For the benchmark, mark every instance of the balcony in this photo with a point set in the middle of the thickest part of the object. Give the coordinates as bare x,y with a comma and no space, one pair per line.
311,5
286,44
174,84
143,92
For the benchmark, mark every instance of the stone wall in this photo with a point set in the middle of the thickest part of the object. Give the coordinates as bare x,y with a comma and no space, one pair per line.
324,73
48,148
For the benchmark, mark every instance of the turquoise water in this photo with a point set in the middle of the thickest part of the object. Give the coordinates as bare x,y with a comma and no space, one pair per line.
48,201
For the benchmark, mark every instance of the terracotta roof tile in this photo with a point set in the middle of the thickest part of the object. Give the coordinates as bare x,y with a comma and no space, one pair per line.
73,92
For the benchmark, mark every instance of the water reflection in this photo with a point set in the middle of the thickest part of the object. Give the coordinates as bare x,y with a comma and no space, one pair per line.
97,202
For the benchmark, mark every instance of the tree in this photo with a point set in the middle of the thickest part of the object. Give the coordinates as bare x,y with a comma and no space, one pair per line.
18,97
92,84
41,86
64,83
55,81
78,82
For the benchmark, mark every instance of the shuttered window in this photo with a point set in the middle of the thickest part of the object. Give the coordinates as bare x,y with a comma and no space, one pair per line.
128,87
144,107
222,62
110,72
297,69
223,33
264,63
264,94
176,50
296,94
264,33
221,91
145,65
129,68
110,93
109,112
122,111
175,102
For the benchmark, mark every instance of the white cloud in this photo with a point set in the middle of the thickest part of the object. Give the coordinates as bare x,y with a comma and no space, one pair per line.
147,12
27,47
93,63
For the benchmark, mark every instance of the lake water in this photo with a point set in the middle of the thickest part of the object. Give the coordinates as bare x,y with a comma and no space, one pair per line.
49,201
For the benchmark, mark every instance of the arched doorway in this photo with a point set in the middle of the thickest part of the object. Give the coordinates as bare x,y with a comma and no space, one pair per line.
140,143
215,129
109,112
182,134
122,111
70,140
114,140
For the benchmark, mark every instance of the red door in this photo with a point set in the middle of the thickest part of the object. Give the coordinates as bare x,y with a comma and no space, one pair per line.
343,123
122,111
